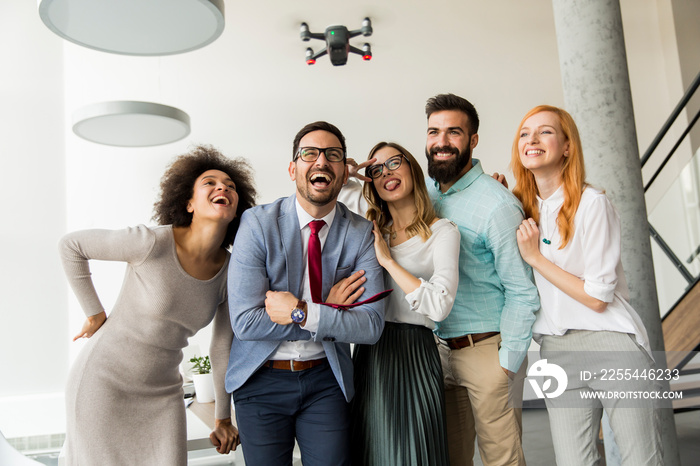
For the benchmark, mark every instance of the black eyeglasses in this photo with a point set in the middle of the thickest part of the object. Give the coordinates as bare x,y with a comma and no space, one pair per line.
391,164
311,154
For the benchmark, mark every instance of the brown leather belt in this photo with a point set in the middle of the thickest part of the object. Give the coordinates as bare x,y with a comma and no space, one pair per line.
295,366
463,341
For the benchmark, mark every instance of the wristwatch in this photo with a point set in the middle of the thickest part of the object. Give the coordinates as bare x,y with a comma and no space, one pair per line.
299,312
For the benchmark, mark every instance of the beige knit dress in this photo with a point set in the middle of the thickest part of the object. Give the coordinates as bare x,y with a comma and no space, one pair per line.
124,397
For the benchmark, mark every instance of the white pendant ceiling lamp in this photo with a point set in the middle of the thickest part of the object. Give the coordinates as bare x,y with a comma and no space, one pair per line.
130,124
135,27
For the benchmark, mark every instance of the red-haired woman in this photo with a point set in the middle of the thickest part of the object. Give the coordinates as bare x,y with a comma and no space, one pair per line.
571,239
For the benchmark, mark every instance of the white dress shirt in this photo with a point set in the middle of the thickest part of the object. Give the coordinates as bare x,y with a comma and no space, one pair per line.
303,350
593,255
351,196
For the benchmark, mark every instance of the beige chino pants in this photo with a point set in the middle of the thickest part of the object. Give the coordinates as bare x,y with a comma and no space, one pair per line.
482,402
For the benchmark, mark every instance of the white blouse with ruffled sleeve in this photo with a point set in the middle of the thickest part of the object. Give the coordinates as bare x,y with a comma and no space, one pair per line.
435,262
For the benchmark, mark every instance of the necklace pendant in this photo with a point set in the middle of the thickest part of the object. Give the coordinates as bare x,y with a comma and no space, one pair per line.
393,235
546,241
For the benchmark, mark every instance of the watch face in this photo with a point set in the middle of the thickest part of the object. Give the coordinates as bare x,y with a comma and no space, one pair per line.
298,316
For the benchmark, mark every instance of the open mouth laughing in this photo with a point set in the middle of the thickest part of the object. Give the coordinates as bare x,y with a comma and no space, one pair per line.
221,200
320,180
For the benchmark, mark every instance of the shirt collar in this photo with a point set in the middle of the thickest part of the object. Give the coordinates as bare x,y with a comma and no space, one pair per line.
554,201
305,218
466,179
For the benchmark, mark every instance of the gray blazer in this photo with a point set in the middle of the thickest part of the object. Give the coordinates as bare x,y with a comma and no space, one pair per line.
267,255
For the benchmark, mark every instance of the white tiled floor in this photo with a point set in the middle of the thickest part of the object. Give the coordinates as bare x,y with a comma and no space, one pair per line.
536,441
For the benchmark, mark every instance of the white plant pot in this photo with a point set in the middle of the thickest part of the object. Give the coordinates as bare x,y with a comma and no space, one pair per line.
203,387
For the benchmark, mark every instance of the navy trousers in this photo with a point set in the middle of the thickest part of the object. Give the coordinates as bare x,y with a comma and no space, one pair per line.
275,406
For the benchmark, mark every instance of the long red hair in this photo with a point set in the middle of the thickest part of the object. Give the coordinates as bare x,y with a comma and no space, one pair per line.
573,174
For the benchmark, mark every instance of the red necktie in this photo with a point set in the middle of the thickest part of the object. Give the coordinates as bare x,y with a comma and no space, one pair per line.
316,271
315,266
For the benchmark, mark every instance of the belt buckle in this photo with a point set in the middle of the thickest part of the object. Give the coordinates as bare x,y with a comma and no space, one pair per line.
291,366
457,343
451,344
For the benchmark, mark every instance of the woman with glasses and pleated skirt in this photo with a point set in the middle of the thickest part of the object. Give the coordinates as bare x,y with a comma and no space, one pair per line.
398,412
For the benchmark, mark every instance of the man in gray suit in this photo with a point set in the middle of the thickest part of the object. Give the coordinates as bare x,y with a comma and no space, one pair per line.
290,369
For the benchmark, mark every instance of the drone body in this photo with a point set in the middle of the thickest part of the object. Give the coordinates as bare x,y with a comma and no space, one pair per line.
337,40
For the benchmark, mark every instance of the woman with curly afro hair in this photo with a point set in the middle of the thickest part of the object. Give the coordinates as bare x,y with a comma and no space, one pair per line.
124,393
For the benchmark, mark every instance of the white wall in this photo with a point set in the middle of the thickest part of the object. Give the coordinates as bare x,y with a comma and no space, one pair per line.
32,164
33,310
247,94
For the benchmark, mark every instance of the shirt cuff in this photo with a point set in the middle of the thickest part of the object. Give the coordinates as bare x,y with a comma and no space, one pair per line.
602,291
413,297
511,360
313,315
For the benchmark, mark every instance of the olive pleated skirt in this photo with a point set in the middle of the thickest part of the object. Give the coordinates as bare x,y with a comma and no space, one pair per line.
398,412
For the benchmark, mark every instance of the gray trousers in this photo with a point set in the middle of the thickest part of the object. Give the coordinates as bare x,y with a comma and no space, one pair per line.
600,366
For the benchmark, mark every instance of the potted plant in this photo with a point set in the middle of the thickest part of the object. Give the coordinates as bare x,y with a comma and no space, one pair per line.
202,379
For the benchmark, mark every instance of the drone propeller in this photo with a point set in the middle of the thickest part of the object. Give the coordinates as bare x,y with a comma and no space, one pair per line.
307,35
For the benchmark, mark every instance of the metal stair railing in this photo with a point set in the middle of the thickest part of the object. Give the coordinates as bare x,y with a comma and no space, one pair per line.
685,307
682,104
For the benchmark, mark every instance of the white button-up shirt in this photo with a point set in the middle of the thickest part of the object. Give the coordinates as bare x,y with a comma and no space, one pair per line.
303,350
593,255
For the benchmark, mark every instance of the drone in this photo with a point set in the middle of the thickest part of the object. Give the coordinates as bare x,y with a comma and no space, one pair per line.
337,40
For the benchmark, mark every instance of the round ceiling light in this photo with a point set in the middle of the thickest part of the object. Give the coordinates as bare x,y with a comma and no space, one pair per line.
130,124
135,27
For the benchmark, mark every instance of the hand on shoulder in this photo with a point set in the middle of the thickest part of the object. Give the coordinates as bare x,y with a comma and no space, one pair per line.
501,178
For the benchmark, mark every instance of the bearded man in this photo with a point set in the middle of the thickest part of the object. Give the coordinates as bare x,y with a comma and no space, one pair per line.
484,340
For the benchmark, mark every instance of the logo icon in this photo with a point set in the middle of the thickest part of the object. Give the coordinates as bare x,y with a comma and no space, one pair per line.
550,371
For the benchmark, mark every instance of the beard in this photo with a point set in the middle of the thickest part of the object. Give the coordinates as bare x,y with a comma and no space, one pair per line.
304,187
447,171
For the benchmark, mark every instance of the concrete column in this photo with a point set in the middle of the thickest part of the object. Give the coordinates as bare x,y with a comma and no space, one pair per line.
597,94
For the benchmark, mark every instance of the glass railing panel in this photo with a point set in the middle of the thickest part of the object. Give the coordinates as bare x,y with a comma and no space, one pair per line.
670,284
676,218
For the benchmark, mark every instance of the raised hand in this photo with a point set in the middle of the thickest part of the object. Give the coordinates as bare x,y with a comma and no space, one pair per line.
354,168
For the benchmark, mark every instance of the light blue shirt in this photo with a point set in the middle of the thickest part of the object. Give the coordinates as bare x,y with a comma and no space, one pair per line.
496,291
